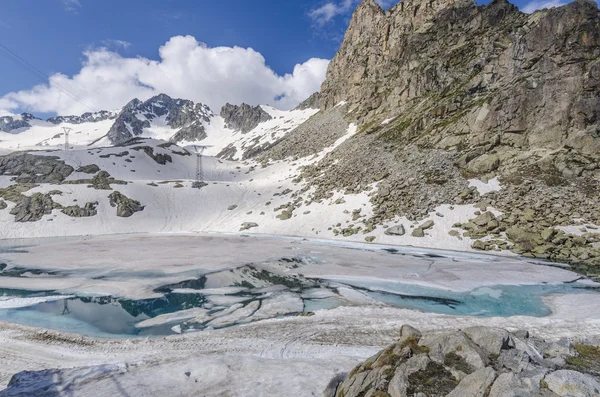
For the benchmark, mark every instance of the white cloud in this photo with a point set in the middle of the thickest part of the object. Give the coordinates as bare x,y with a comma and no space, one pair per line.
71,5
541,4
330,10
117,43
186,69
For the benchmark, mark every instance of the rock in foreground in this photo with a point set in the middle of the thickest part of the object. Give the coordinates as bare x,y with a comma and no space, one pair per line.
477,361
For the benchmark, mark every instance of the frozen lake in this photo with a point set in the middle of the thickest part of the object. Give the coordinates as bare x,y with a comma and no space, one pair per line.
154,285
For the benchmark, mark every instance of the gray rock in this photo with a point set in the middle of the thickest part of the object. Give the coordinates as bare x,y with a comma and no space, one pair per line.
29,168
427,225
490,340
312,102
509,385
399,384
89,169
126,207
437,364
475,384
566,383
244,117
396,231
406,331
78,212
248,225
232,207
484,219
418,232
457,343
3,205
33,208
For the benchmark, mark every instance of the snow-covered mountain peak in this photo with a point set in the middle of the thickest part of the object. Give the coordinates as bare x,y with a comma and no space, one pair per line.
163,117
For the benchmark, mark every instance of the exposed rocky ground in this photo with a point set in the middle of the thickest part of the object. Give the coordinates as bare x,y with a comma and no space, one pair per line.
29,168
476,361
315,134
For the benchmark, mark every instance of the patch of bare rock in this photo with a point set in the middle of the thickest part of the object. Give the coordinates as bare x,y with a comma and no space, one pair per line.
474,362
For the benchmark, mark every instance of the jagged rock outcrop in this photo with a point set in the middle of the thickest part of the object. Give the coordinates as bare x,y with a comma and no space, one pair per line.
12,123
479,79
183,116
244,117
84,118
125,206
477,361
33,208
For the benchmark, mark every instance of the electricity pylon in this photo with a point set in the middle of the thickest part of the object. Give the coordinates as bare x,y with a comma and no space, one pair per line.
67,130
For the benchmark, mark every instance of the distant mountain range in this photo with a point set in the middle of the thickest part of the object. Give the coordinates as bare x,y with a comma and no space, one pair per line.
185,119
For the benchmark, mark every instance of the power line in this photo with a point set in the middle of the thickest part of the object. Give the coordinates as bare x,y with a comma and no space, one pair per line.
6,52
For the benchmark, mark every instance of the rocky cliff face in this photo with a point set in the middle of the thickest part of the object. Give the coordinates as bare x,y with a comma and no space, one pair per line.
10,123
179,114
244,117
458,75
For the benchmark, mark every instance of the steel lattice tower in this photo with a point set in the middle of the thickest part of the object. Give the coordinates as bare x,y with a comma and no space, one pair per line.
67,130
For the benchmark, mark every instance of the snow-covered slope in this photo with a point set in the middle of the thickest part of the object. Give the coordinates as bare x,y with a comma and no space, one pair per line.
46,135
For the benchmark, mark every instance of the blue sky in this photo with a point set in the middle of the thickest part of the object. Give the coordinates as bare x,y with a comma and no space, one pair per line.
59,36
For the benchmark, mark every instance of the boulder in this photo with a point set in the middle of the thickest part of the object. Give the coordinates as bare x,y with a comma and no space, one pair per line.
427,225
567,383
418,232
475,384
395,231
490,340
248,225
89,169
484,219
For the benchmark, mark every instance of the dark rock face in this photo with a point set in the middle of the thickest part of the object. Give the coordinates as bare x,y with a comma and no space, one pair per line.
244,117
478,361
125,206
180,114
9,123
29,168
